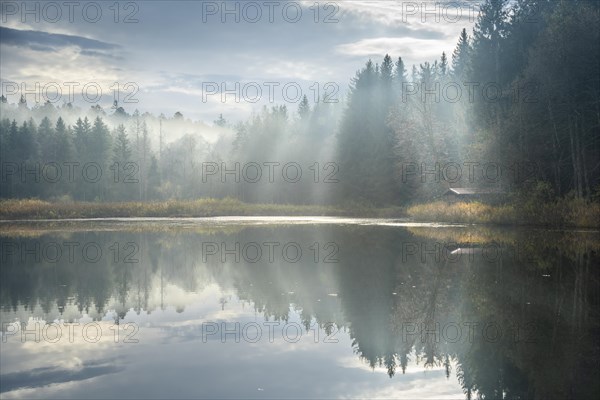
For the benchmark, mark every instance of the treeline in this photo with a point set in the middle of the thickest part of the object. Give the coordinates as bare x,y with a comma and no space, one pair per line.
86,161
522,94
515,108
273,157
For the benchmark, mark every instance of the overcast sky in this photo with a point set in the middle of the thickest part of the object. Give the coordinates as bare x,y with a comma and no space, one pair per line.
176,54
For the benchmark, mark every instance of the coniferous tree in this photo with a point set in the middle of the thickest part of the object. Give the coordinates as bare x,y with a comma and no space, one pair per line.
487,63
82,132
220,121
303,108
122,147
460,57
46,140
443,65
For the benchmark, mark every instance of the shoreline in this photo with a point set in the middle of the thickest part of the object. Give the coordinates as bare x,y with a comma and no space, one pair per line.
563,214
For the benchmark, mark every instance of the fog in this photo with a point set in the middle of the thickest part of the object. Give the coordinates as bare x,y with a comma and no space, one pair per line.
511,107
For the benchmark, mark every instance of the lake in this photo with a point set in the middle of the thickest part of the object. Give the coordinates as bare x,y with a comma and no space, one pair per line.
297,308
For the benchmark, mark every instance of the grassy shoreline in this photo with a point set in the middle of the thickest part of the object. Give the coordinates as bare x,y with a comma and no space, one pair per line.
206,207
561,213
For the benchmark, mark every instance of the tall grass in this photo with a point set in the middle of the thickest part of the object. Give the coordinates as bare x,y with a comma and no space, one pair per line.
204,207
559,213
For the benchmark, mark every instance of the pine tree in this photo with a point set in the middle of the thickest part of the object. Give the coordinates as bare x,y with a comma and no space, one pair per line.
22,102
443,65
490,29
386,76
100,142
122,147
63,140
460,57
13,138
303,108
143,158
487,62
366,143
81,139
386,71
400,73
46,138
220,121
26,145
154,179
241,138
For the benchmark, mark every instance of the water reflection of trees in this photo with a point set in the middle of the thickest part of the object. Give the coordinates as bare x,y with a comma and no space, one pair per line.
545,284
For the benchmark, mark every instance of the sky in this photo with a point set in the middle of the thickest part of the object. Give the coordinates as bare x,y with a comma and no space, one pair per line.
204,58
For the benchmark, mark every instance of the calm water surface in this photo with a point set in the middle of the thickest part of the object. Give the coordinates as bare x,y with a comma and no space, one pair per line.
297,308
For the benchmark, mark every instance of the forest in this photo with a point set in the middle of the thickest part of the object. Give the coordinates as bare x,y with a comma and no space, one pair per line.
514,107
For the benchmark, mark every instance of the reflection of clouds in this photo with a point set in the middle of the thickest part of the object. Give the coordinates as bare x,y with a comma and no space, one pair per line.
67,354
374,303
427,385
418,382
186,366
171,357
38,377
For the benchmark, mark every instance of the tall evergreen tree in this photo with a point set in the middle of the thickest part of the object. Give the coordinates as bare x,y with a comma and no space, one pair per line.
122,147
304,109
443,66
100,142
487,62
460,57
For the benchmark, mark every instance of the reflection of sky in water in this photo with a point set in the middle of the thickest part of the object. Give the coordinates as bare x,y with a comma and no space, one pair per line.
374,290
172,360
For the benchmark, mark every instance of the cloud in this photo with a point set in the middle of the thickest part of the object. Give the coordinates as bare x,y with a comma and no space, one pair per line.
45,41
194,52
411,13
405,47
35,57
